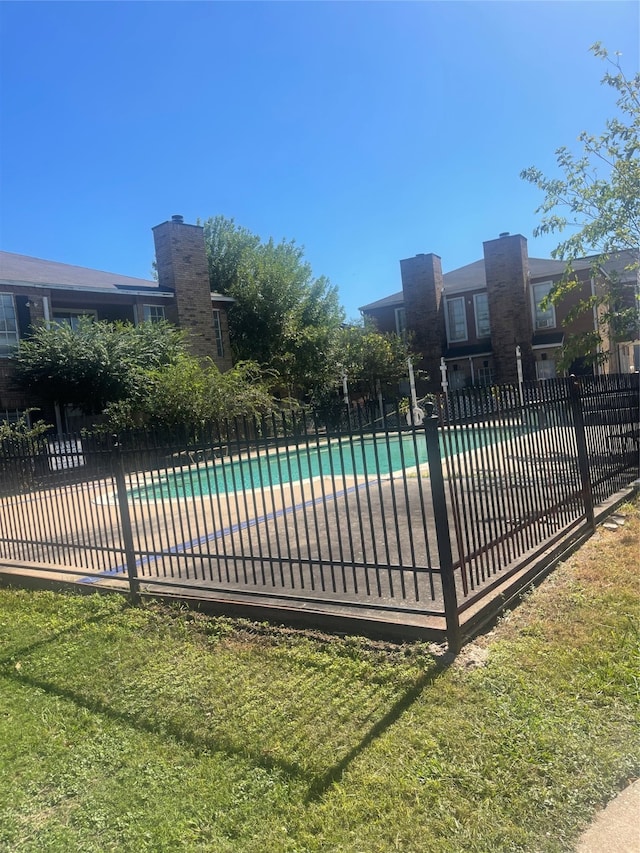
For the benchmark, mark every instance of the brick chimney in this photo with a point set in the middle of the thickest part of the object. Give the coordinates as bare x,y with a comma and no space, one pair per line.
181,260
506,264
424,311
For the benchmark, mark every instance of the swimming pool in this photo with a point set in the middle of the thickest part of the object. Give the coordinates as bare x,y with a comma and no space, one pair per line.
337,458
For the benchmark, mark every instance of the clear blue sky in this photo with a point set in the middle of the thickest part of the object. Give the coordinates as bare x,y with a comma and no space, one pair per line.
368,132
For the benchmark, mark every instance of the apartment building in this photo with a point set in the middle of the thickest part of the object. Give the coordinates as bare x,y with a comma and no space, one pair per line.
34,291
474,317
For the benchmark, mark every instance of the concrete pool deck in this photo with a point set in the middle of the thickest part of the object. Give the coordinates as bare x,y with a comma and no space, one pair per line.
344,545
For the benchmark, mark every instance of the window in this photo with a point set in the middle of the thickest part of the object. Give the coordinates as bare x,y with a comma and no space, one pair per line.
545,367
456,320
544,318
14,416
401,323
72,318
8,325
153,313
481,307
457,378
485,374
217,331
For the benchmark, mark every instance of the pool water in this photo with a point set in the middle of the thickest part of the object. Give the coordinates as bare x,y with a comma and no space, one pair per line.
336,458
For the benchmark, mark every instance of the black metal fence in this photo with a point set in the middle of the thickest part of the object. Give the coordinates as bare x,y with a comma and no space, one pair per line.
417,526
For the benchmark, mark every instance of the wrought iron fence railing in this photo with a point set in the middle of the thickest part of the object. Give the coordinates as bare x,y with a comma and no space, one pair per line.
418,524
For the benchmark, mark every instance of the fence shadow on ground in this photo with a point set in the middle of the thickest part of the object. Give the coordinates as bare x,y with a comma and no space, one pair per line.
318,779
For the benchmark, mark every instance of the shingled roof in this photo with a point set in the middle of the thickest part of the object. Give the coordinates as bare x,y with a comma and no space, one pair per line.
24,270
472,277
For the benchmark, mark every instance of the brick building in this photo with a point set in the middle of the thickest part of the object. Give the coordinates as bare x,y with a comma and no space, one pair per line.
475,316
34,291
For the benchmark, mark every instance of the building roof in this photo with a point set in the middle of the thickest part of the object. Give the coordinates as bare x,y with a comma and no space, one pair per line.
547,339
472,277
395,300
624,265
22,270
457,351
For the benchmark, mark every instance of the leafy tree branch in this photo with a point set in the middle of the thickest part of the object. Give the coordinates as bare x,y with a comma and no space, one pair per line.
597,197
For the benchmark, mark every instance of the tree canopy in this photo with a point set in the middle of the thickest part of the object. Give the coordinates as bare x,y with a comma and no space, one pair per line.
370,359
94,363
597,199
284,317
134,375
190,393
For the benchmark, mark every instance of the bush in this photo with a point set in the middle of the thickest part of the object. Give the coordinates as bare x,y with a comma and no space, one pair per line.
189,394
22,448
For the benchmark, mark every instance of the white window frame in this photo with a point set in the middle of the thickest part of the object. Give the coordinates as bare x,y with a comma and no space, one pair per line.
476,298
486,376
60,316
546,368
449,302
148,313
9,332
217,331
401,322
457,378
542,319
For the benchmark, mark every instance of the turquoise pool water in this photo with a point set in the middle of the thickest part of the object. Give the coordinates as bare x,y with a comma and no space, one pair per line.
282,465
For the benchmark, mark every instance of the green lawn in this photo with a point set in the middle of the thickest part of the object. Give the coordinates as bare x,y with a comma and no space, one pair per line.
146,729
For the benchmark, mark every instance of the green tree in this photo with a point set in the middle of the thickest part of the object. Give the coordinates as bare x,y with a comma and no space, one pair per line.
227,245
597,198
96,363
284,318
370,359
190,393
135,376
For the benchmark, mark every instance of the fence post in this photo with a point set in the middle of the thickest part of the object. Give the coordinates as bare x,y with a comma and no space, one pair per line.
583,456
125,521
441,519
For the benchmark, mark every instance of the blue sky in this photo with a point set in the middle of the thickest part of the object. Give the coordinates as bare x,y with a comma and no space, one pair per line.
366,131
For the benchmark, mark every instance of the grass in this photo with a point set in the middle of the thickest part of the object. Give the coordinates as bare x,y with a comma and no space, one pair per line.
136,729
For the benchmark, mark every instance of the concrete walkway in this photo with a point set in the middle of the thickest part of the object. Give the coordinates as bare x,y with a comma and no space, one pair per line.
616,829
